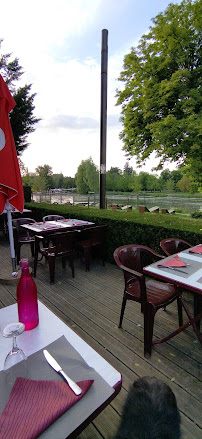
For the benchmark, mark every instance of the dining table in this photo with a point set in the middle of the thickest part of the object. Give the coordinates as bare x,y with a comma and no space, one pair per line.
80,361
184,270
44,228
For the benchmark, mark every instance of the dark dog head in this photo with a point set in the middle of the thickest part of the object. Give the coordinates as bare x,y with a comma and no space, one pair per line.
150,412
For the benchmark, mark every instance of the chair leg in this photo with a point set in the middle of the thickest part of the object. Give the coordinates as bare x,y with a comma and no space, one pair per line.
32,248
179,307
71,264
51,263
17,252
197,307
149,314
102,254
35,263
87,258
122,310
63,261
103,257
36,253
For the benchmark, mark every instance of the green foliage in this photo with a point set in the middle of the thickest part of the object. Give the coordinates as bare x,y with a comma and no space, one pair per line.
87,177
128,169
142,182
61,182
10,70
127,227
161,100
21,117
148,182
69,182
197,214
184,184
43,178
58,180
114,179
168,180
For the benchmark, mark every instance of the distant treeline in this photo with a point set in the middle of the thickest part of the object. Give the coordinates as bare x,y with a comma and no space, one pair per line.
87,180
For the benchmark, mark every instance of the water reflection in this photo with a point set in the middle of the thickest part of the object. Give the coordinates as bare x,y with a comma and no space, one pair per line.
170,202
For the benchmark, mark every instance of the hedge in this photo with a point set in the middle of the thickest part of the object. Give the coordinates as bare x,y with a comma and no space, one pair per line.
127,227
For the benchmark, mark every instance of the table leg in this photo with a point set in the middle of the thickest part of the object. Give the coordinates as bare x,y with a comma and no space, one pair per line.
197,307
192,320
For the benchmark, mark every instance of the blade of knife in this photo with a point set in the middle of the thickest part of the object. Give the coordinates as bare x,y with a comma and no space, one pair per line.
54,364
172,268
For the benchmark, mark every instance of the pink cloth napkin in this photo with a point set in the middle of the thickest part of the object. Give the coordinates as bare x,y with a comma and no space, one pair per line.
34,405
52,226
197,249
174,262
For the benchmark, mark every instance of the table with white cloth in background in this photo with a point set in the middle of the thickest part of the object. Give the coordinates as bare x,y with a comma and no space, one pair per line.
50,329
188,278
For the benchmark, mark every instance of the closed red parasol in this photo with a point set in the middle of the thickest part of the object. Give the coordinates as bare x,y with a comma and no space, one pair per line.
11,188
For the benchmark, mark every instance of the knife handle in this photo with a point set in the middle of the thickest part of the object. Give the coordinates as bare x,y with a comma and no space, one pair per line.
76,389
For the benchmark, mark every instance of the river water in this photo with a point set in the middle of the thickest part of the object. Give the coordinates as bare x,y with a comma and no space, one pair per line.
170,202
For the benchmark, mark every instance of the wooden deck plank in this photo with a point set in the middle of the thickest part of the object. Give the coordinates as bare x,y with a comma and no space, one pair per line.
68,303
90,304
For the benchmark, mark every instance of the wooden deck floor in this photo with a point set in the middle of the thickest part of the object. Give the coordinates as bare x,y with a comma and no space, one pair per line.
90,304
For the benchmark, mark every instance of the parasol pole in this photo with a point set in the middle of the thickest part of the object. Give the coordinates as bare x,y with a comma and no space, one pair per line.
10,231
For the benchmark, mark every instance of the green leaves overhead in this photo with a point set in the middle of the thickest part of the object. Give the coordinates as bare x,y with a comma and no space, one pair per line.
161,98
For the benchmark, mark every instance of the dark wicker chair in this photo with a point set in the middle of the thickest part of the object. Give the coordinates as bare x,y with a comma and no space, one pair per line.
90,239
22,236
52,218
151,294
170,246
53,246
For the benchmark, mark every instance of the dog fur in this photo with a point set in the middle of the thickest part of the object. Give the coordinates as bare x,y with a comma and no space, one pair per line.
150,412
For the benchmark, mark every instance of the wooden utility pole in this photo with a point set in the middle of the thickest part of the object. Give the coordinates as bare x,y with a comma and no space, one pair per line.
103,117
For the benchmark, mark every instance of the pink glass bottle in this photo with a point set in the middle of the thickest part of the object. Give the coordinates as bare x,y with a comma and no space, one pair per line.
27,298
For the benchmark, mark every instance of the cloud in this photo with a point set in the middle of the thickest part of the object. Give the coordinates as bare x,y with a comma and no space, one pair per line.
113,121
72,122
78,123
59,47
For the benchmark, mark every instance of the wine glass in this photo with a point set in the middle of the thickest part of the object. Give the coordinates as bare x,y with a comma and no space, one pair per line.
16,355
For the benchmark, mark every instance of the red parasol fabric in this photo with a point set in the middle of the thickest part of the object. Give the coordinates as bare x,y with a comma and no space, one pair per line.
11,187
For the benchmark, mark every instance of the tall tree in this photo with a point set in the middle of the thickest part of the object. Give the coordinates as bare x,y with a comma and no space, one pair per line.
87,177
115,170
128,169
144,179
44,178
184,184
58,180
161,101
69,182
22,116
113,178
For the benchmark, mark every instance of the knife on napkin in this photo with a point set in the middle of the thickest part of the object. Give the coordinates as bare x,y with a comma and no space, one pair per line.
54,364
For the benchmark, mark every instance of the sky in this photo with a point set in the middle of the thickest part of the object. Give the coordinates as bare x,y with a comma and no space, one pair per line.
58,44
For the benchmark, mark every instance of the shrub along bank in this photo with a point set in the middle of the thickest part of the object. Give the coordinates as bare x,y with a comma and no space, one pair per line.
127,227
